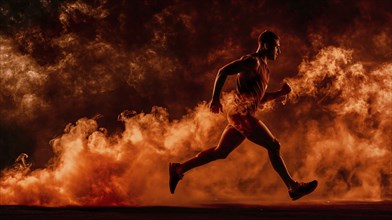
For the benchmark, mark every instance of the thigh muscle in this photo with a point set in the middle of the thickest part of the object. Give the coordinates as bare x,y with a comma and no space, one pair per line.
253,129
230,139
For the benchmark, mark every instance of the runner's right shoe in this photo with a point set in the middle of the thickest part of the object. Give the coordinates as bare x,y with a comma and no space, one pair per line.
174,177
302,189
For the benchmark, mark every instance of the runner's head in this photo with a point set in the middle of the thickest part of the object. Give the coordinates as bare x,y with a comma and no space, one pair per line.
269,44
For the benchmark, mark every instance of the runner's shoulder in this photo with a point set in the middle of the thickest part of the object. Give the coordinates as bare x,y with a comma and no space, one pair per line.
249,60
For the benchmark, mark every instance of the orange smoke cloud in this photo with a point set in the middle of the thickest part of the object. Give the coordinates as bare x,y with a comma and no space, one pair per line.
19,79
347,149
92,168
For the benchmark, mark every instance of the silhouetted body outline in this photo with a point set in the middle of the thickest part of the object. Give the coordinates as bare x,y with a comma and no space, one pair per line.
252,82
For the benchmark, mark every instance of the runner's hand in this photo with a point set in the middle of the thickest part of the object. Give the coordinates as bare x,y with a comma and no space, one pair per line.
286,89
215,106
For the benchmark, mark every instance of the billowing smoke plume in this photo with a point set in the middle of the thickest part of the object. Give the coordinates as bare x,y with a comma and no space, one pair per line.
346,149
65,62
349,144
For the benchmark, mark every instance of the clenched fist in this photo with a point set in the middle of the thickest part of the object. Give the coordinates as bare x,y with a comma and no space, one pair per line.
286,89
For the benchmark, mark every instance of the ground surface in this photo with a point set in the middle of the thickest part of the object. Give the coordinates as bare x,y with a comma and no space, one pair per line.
319,211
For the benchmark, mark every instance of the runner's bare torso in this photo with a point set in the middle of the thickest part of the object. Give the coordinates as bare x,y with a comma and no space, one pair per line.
252,82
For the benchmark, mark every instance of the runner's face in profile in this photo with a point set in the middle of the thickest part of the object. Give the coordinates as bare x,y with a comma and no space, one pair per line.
274,50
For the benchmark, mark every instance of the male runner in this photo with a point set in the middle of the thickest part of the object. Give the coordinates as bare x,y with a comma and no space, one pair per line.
252,81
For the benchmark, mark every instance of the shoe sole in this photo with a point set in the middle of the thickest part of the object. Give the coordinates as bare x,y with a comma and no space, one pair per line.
307,193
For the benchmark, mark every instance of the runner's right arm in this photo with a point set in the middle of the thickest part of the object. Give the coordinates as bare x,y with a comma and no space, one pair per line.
268,96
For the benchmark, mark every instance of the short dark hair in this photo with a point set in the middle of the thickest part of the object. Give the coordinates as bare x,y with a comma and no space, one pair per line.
267,37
